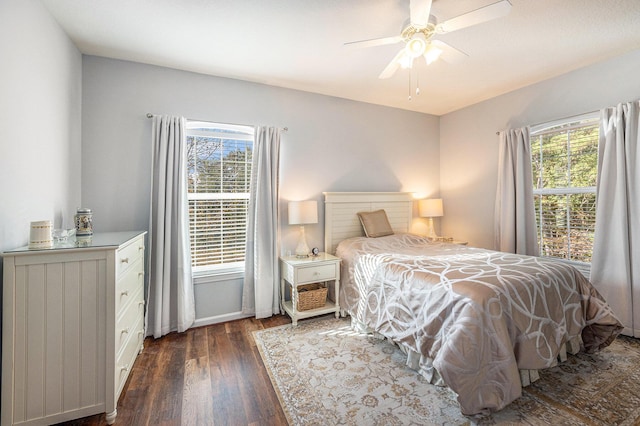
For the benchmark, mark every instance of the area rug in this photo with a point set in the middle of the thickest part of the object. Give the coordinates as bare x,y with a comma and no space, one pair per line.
326,374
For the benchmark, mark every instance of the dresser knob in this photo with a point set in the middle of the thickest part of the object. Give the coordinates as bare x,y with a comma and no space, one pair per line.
124,367
124,260
124,330
125,293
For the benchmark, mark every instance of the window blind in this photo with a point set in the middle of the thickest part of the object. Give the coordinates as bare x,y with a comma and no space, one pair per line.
219,176
564,162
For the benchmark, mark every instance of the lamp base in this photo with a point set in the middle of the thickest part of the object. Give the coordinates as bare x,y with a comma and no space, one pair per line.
302,250
431,232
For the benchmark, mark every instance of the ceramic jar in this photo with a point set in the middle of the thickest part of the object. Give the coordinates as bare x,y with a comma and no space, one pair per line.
84,222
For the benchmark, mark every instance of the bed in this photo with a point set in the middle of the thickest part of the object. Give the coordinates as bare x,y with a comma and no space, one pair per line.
478,321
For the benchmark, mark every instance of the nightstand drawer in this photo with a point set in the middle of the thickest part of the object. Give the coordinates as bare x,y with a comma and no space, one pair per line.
316,273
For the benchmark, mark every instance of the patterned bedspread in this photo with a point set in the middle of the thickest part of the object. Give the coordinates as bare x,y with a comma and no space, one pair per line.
478,315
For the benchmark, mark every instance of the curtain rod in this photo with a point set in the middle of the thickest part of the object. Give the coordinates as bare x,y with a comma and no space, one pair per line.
284,129
585,114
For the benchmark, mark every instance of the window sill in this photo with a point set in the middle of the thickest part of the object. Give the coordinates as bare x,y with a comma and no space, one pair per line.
218,275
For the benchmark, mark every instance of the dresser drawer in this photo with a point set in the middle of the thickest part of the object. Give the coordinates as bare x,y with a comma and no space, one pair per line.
129,255
316,273
126,357
127,321
128,284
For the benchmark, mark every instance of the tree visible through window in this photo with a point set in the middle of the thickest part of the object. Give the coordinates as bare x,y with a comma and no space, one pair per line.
565,161
219,175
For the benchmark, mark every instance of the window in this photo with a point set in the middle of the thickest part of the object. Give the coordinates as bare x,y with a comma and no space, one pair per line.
565,161
219,174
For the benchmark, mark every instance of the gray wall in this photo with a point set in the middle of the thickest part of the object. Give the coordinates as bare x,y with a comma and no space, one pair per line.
40,83
40,95
332,145
469,144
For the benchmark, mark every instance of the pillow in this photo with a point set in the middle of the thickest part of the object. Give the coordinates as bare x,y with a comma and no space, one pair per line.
375,223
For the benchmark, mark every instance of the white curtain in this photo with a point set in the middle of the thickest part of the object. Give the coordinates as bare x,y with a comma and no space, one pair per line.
171,305
261,291
615,265
515,219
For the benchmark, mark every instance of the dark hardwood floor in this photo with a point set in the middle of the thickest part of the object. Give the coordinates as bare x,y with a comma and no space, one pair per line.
205,376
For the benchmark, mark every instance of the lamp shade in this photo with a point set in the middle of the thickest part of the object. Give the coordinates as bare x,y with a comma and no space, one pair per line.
301,212
431,207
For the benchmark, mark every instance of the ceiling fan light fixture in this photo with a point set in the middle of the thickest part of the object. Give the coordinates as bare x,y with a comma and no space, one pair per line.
432,54
405,61
417,45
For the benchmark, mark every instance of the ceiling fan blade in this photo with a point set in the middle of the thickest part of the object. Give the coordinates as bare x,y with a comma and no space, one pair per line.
449,53
373,42
393,65
419,11
478,16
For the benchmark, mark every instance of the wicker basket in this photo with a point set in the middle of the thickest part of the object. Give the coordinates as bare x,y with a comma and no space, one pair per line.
311,296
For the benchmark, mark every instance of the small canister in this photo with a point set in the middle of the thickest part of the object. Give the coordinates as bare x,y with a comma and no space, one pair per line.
41,235
84,222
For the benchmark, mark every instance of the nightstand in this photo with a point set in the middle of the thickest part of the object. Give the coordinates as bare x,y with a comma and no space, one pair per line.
313,269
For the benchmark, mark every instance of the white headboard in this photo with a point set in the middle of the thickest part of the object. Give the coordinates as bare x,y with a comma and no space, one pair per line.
341,221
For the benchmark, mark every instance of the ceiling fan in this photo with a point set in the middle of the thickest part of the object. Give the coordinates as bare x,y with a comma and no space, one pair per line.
421,27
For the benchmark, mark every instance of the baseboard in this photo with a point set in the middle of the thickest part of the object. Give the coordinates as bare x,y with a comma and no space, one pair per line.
200,322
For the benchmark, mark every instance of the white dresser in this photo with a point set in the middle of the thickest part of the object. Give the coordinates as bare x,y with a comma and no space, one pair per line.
72,326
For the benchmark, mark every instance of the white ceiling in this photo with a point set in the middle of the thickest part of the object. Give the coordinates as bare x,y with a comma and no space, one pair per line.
298,44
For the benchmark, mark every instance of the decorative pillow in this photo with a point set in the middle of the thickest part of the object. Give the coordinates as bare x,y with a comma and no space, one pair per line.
375,223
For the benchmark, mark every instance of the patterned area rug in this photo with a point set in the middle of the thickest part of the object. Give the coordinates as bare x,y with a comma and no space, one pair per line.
326,374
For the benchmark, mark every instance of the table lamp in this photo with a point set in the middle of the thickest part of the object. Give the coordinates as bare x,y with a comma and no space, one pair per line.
301,213
430,208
